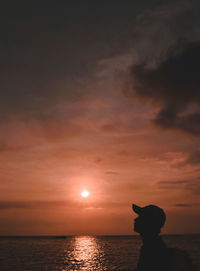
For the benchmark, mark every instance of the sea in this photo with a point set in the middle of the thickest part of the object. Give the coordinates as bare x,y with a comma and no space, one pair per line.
91,253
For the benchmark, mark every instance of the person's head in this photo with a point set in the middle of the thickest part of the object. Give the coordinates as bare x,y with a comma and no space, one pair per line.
150,219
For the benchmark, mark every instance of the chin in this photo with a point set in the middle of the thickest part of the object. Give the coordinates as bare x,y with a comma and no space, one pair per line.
136,229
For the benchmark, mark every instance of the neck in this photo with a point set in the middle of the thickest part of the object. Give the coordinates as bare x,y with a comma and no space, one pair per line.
146,238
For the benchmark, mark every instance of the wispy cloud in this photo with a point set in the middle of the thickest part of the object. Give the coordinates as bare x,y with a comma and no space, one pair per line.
183,205
192,185
112,172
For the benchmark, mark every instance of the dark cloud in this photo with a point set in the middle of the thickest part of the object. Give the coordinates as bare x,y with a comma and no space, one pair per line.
32,204
193,158
36,204
176,182
192,185
13,205
183,205
5,205
174,85
112,172
48,50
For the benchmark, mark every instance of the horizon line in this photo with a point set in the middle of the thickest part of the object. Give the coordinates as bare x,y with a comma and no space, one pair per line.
98,235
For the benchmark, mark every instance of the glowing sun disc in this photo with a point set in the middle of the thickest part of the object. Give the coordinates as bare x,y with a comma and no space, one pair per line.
85,193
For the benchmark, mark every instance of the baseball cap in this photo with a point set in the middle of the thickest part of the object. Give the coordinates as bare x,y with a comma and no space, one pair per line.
152,212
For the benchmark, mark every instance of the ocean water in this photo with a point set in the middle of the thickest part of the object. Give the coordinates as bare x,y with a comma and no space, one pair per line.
83,252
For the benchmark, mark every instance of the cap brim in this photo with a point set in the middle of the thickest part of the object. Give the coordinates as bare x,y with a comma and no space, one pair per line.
137,209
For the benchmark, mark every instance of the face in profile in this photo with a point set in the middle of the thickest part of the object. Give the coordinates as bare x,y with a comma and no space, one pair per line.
150,219
145,225
139,224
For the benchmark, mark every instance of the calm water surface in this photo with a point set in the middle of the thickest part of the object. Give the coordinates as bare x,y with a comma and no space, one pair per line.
83,252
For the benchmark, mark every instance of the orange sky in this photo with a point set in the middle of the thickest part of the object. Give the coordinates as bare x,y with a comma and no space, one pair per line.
45,168
79,127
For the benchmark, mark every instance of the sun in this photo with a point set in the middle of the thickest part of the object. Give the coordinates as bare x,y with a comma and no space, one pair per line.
85,193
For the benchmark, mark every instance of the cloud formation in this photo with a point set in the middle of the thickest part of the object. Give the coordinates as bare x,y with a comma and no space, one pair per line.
192,185
174,85
183,205
193,158
60,204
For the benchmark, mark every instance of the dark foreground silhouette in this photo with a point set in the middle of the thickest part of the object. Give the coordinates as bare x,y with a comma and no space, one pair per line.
154,254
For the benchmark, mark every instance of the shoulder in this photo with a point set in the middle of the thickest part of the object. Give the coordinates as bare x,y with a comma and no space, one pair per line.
180,260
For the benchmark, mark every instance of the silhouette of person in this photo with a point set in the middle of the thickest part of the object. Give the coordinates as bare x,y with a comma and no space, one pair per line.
153,253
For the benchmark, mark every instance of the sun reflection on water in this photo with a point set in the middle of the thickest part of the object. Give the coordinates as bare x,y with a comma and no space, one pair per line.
86,254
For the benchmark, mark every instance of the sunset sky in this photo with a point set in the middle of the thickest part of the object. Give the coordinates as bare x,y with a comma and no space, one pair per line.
102,96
